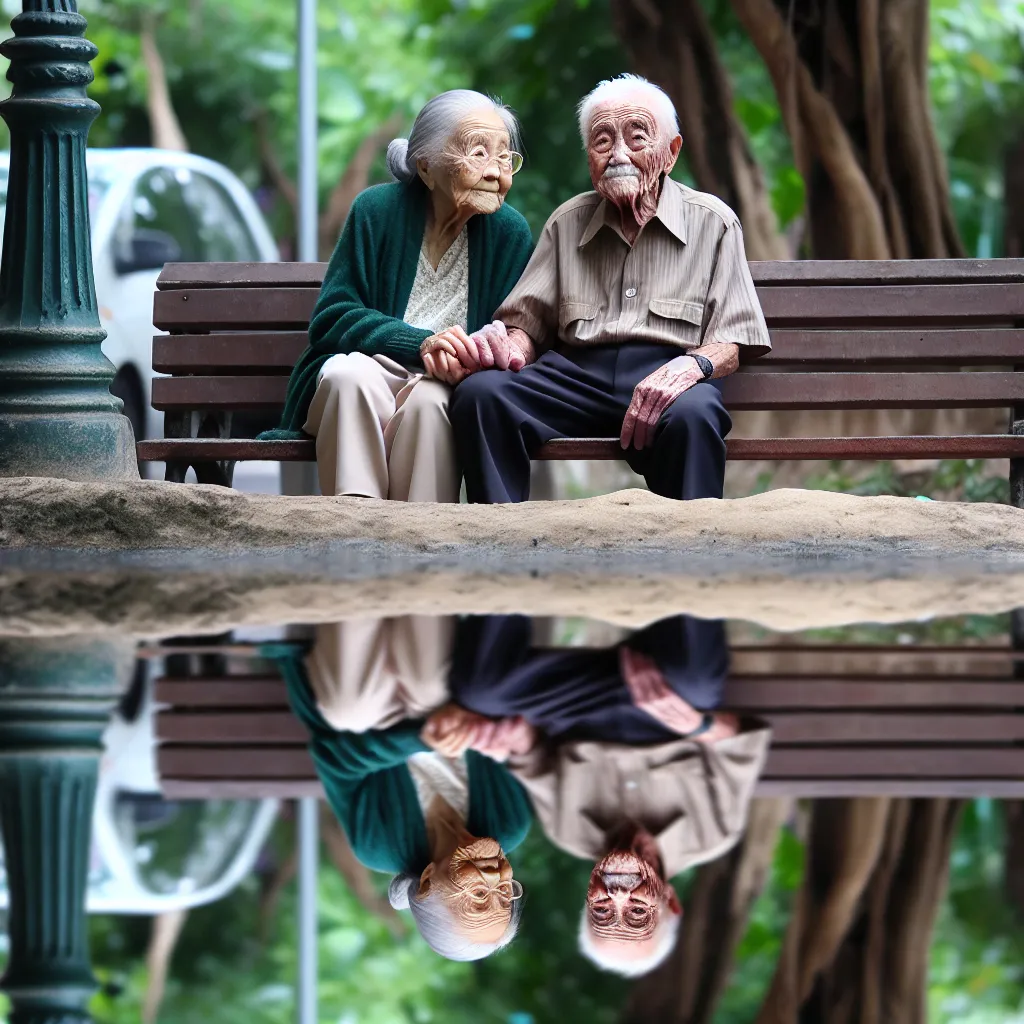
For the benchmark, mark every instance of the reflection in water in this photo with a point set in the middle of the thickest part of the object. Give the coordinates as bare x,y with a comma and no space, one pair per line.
438,740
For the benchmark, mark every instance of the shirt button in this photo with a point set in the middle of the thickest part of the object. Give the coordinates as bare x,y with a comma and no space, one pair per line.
630,292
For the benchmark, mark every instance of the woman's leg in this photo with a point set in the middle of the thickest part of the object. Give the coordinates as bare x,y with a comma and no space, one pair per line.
352,406
420,447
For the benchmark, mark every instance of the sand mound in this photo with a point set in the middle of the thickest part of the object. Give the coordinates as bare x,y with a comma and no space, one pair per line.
162,559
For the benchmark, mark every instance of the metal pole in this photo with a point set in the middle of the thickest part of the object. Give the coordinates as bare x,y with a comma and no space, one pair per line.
307,252
309,839
307,233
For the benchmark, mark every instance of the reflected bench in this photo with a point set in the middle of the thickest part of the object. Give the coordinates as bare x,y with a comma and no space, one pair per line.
938,334
899,721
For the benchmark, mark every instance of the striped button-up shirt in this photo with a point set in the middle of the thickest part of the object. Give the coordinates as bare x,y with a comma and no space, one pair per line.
684,282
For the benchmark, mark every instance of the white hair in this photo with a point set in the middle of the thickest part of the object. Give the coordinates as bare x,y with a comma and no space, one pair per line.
440,927
620,87
605,955
434,125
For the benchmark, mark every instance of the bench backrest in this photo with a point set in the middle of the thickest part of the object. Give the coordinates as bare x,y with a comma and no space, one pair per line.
916,728
846,335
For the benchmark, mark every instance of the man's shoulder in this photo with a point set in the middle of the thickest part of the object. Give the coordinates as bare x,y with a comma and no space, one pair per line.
579,208
706,205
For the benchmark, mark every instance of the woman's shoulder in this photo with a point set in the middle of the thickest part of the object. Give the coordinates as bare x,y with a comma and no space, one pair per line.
378,199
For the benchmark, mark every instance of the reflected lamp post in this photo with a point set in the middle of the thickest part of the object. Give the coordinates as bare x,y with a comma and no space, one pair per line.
57,419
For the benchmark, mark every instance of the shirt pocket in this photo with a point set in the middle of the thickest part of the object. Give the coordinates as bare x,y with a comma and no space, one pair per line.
577,320
675,322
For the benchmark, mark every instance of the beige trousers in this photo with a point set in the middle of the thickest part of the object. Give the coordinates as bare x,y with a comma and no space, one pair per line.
382,431
373,673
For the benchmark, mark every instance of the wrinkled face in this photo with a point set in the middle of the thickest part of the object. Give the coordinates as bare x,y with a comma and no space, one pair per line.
628,153
476,167
627,895
476,881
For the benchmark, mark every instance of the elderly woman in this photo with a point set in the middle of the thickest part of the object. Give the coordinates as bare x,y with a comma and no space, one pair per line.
440,823
420,267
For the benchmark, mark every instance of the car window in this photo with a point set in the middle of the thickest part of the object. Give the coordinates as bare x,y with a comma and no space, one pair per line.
224,235
158,205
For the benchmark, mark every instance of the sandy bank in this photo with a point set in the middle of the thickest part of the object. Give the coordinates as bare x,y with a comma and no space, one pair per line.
160,559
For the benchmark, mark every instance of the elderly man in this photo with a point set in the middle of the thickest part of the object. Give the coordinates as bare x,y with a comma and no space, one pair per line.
636,303
631,766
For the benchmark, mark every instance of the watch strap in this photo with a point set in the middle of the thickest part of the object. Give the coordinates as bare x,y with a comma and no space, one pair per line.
706,366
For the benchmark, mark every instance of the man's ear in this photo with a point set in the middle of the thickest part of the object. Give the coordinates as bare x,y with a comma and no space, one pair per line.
424,889
673,901
423,170
674,147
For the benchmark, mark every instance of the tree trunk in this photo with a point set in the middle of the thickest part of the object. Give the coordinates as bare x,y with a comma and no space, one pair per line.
671,43
165,128
851,80
856,949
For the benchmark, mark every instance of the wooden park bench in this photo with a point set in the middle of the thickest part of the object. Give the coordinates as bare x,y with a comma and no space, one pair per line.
942,334
938,334
915,731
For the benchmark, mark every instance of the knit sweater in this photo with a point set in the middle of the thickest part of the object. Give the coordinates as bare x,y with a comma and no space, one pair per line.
368,281
371,790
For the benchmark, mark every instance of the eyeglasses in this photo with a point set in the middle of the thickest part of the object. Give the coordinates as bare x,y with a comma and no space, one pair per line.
509,160
480,892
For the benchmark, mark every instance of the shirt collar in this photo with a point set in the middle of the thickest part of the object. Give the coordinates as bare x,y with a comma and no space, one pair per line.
671,213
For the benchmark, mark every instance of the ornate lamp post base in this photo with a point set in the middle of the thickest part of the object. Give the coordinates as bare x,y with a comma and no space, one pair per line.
57,418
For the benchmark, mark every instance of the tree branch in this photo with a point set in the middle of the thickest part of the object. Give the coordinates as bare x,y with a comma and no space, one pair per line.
268,157
164,126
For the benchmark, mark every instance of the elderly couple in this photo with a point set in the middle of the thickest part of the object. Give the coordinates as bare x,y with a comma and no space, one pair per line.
441,348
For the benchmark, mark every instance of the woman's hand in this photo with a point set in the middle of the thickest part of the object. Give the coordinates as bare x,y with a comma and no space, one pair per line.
440,355
452,731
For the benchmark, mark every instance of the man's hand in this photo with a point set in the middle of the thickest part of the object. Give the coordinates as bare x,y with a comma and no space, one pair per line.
653,395
495,350
652,694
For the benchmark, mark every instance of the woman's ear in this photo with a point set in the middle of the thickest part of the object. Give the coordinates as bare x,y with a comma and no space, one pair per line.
424,889
423,170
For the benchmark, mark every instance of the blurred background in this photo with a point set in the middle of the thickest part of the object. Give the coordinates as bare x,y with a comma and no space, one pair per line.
836,128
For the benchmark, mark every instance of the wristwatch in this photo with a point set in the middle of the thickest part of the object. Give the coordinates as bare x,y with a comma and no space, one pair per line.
706,366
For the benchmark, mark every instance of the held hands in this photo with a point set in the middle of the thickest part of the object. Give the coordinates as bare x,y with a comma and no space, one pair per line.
653,395
652,694
452,731
453,354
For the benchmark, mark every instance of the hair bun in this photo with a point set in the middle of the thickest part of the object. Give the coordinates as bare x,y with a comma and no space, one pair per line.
400,889
398,160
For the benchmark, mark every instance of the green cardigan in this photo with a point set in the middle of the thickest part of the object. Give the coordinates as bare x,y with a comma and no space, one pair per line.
368,281
371,792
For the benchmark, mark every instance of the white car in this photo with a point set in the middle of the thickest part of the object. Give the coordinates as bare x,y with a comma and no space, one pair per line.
148,207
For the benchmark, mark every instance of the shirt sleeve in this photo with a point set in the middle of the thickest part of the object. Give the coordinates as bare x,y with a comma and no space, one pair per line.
532,305
736,317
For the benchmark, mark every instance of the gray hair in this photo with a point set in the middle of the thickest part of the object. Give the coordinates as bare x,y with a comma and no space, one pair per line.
604,957
434,125
439,926
628,85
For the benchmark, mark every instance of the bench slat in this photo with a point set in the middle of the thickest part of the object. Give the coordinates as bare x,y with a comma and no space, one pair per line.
278,351
922,762
741,391
296,789
754,693
272,727
257,275
959,446
824,305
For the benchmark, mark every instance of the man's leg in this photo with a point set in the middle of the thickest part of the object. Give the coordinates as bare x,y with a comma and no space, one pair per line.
687,456
499,418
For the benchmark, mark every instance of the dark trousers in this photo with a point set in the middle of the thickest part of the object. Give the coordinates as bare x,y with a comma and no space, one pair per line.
501,418
579,694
